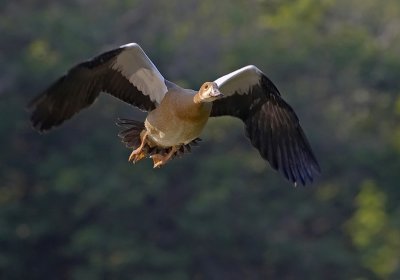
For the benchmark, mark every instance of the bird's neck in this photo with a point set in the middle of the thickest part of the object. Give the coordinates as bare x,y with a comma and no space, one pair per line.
191,107
197,99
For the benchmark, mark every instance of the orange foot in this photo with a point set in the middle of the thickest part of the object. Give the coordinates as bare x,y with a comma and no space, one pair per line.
138,154
160,160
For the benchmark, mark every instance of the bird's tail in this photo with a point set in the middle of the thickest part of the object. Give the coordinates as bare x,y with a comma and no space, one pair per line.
131,134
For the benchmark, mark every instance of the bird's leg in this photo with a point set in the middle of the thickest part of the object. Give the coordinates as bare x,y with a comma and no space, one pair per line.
138,153
139,156
159,159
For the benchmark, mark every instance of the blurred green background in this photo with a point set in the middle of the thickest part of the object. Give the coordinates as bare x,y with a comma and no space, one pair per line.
71,207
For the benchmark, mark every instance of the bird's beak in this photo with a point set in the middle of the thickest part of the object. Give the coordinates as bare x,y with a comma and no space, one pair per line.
216,93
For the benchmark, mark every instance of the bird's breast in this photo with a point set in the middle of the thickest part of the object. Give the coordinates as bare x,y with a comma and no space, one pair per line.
177,124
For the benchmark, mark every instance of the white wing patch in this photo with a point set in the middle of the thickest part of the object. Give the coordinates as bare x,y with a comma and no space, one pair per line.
149,83
239,81
134,64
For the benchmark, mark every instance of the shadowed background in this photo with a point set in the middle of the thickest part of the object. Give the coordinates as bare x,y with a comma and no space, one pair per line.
72,207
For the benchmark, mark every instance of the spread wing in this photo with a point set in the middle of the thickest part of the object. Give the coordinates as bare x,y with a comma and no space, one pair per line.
270,123
126,73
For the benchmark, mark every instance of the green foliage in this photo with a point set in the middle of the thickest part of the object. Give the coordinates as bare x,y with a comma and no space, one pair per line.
373,232
73,208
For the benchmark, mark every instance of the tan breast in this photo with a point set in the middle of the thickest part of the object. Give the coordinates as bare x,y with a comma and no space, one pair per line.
177,120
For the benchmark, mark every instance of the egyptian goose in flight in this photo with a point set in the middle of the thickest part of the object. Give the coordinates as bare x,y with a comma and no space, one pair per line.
177,116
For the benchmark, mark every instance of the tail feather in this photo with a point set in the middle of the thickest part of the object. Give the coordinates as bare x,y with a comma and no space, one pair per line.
127,122
130,136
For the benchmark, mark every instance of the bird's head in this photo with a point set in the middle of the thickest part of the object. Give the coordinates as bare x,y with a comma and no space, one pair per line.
209,92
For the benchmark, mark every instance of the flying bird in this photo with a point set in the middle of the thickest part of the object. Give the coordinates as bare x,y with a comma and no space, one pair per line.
177,116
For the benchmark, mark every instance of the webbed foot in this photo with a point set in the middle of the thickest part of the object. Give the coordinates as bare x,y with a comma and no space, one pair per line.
138,153
159,160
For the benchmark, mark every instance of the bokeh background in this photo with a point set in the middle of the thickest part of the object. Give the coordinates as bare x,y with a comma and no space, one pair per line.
71,207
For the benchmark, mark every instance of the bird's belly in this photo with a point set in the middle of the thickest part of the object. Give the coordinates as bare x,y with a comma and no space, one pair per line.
174,132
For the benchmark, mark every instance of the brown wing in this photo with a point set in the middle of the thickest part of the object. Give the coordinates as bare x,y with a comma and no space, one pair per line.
126,73
270,123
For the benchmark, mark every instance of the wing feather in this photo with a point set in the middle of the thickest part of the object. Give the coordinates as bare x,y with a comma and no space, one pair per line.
270,123
126,73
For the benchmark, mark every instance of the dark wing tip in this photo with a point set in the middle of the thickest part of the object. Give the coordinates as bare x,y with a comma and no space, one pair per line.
43,120
302,157
38,124
298,169
68,95
274,130
293,155
297,166
40,116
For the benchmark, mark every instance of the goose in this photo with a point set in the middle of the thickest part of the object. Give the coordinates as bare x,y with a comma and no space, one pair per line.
177,116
